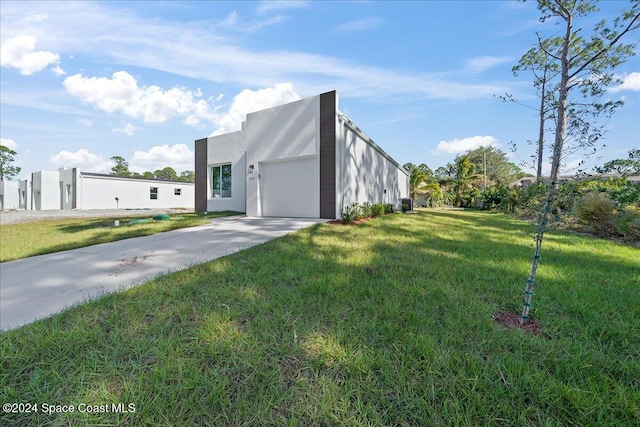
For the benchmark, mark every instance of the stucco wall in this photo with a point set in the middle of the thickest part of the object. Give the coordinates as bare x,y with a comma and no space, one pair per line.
365,173
228,148
46,190
9,195
24,191
98,192
67,188
284,132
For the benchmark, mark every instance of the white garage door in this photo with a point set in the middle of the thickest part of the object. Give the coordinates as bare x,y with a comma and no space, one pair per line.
291,188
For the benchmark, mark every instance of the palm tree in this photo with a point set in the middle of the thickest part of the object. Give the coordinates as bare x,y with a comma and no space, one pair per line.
464,176
418,178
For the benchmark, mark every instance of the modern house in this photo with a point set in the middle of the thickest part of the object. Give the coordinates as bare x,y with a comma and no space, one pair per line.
87,190
9,196
72,189
302,159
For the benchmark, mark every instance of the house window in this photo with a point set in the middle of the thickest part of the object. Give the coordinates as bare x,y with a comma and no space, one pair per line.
153,193
177,191
221,181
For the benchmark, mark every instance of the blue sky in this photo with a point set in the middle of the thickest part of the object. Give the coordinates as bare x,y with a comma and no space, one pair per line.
84,81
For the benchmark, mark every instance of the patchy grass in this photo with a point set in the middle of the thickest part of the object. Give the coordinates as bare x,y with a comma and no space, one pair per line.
384,323
23,240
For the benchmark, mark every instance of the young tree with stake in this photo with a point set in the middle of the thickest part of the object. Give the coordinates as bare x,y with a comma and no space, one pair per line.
586,65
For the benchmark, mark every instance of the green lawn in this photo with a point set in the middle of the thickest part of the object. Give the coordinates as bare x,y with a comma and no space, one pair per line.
42,237
384,323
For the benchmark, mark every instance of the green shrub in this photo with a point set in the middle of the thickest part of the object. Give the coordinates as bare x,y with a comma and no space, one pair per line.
492,197
377,209
404,208
596,210
365,210
628,223
389,208
351,213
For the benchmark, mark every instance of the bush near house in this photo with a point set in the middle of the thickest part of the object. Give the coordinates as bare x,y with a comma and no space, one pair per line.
355,211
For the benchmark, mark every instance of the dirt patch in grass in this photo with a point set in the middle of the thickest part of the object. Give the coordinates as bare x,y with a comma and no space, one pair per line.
512,321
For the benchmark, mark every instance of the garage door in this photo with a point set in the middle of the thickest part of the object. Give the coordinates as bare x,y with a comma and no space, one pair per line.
290,188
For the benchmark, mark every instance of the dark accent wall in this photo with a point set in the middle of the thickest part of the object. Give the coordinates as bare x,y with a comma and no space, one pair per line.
74,185
201,175
327,155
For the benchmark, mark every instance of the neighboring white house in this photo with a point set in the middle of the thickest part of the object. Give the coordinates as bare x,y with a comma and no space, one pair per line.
71,189
302,159
87,190
9,195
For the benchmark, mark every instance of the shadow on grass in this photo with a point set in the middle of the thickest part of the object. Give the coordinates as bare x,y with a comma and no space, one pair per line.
385,323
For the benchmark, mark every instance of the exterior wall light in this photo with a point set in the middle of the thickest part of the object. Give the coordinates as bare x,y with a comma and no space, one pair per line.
251,167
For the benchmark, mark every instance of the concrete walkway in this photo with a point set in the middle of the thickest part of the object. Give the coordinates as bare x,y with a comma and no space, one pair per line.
37,287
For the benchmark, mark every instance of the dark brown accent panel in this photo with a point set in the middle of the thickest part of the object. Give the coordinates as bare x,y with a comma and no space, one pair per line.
74,185
328,155
201,175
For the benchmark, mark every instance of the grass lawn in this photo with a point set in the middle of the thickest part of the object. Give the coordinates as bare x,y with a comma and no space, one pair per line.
23,240
384,323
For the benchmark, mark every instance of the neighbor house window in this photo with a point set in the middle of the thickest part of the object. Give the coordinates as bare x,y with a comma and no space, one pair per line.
153,193
221,181
177,191
68,194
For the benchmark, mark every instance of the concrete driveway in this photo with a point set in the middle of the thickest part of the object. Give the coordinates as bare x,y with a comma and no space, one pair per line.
37,287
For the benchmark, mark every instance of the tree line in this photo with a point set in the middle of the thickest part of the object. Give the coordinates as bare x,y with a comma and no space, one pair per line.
121,168
483,175
461,182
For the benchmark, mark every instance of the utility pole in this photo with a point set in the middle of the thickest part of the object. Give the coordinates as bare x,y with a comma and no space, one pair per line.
484,170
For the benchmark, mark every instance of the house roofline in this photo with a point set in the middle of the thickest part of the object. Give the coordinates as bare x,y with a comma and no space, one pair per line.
132,178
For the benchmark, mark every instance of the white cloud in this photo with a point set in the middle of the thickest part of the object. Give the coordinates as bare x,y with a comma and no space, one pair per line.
231,19
483,63
83,160
122,94
261,24
629,82
268,6
9,143
84,122
178,156
234,22
121,35
358,25
58,71
471,143
19,52
127,129
249,101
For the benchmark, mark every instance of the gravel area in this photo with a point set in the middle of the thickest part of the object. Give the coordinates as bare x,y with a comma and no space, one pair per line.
13,217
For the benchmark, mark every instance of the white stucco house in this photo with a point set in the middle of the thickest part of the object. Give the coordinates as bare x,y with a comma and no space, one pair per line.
301,159
88,190
68,188
9,195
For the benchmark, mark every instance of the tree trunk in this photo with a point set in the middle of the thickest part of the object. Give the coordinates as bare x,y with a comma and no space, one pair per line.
555,169
541,130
